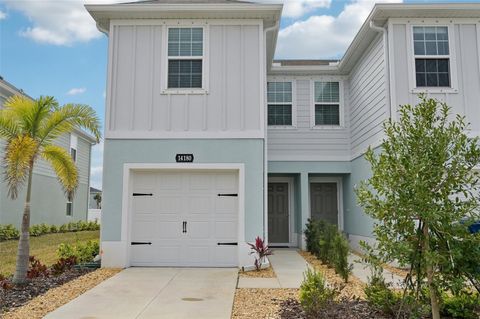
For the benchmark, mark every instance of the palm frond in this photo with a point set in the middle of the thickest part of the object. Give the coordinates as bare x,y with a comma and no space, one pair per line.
19,156
68,117
9,127
29,113
64,167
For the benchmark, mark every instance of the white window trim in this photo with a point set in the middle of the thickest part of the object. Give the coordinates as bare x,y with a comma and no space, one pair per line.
293,103
292,236
204,57
338,181
66,211
74,145
341,106
452,58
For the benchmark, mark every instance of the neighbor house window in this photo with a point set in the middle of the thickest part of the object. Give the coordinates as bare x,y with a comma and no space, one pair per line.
73,153
69,208
432,56
279,98
327,103
185,57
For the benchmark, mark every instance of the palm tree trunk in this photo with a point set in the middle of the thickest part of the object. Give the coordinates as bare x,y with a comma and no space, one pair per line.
429,268
23,252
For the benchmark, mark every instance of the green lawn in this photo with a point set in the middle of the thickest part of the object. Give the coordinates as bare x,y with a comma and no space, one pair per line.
43,247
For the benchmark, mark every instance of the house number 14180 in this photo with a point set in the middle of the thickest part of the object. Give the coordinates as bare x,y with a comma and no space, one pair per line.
184,158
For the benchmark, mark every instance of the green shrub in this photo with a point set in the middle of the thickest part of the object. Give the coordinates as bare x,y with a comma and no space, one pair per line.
312,233
465,305
63,228
315,295
326,248
379,295
82,252
35,230
340,256
53,229
8,232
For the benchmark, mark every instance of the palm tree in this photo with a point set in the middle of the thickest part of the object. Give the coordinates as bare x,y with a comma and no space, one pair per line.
29,128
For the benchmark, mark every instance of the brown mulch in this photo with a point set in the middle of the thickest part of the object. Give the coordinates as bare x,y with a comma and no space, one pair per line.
351,290
254,303
262,273
56,297
343,309
19,295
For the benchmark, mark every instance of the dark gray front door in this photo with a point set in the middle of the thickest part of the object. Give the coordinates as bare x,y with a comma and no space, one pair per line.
323,202
278,227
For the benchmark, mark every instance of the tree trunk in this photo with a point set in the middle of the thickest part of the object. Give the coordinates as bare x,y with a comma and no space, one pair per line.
429,269
23,252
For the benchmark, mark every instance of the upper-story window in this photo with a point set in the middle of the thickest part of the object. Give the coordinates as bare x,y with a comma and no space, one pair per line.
73,146
185,57
327,103
432,56
279,98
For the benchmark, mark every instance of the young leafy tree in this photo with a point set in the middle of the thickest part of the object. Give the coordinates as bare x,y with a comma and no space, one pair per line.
424,194
29,128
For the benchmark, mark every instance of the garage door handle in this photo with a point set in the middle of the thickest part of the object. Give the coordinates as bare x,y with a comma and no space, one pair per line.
227,244
228,195
140,243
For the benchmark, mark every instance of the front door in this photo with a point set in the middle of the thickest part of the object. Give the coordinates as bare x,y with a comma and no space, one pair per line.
324,202
278,215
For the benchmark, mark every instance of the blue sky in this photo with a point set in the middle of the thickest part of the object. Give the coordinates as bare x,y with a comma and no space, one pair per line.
51,47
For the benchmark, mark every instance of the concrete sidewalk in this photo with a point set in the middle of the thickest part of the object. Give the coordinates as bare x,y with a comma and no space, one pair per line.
288,266
362,271
146,293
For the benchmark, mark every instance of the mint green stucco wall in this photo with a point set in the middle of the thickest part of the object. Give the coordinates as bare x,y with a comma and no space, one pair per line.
118,152
48,203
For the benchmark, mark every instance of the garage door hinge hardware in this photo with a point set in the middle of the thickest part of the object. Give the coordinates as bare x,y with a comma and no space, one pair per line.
227,244
229,195
140,243
142,194
184,225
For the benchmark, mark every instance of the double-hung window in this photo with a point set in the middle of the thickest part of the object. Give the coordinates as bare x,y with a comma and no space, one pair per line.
279,98
69,208
327,103
432,56
185,58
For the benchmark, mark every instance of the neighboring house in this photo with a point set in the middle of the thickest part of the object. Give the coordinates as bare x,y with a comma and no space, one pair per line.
209,142
49,203
93,203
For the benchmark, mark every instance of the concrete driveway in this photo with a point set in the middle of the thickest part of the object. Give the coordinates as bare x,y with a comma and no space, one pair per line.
157,293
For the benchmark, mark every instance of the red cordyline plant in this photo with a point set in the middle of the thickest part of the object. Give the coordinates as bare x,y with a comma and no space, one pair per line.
261,250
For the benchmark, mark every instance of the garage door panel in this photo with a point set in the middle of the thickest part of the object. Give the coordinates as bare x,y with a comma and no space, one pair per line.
225,230
199,230
190,197
170,181
200,204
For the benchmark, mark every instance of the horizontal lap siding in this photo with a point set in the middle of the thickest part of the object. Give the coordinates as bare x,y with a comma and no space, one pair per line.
367,96
304,143
235,91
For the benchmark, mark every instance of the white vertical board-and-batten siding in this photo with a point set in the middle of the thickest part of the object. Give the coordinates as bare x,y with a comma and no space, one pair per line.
231,107
302,142
465,58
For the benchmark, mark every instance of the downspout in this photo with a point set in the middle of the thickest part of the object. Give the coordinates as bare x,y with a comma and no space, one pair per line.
265,125
384,31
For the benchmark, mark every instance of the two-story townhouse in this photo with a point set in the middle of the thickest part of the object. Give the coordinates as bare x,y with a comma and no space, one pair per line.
48,204
210,142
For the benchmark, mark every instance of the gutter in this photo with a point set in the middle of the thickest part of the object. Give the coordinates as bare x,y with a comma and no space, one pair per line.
384,31
265,125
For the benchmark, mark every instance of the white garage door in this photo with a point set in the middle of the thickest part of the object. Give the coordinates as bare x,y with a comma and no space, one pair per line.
184,219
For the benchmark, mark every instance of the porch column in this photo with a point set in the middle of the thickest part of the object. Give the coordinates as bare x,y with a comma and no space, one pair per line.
304,189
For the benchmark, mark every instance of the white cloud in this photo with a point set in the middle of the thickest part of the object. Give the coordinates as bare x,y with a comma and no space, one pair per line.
3,15
57,22
76,91
324,36
297,8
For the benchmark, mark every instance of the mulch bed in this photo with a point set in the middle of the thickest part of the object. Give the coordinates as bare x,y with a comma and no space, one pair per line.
260,303
20,295
343,309
262,273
